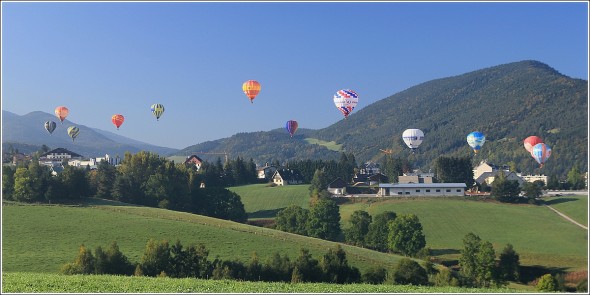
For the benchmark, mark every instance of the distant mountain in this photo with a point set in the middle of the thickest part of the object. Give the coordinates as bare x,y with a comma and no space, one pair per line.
27,130
507,103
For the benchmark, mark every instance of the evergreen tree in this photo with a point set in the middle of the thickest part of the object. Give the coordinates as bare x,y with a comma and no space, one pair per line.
7,182
454,170
468,259
509,264
307,266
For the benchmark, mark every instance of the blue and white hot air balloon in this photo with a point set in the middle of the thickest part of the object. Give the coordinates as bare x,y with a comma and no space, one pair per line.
476,140
541,152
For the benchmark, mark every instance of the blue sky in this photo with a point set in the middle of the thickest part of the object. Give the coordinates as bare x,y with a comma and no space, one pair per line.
103,58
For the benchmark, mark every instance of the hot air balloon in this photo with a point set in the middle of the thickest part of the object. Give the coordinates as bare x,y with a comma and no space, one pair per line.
531,141
73,132
50,126
345,100
118,119
61,113
541,153
291,126
251,88
413,138
157,110
476,140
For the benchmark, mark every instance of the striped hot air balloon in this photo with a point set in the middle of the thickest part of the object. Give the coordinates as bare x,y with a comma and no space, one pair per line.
157,110
50,126
251,88
73,132
530,142
541,152
345,100
291,126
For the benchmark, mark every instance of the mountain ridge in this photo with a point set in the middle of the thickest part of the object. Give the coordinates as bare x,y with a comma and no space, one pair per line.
507,102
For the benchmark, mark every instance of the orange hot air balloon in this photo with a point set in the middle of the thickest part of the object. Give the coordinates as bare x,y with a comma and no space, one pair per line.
251,88
531,141
61,113
118,119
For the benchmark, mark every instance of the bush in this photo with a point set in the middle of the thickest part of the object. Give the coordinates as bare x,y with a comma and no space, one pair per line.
408,271
582,286
547,283
375,275
445,278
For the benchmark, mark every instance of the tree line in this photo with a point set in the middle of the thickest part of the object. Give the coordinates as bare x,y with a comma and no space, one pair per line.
160,259
143,178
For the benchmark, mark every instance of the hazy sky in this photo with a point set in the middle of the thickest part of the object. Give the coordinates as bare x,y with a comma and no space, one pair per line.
103,58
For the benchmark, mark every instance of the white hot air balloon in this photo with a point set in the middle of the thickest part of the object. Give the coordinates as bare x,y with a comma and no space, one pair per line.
413,138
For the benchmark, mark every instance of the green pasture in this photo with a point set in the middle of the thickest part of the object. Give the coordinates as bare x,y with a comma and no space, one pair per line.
41,238
540,236
263,201
14,282
331,145
574,206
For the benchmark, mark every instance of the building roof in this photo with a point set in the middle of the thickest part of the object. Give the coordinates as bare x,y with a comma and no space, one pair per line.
289,174
422,185
337,183
61,151
193,157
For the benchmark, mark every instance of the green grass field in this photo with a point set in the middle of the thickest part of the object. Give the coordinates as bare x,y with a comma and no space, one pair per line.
263,201
331,145
40,238
574,206
54,283
539,235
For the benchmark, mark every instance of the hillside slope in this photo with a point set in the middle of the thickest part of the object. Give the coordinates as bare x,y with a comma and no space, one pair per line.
507,103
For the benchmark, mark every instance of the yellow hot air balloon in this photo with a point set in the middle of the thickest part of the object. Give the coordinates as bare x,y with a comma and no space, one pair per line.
251,88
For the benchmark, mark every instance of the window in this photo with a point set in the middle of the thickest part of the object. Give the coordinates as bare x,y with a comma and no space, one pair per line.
407,193
427,190
438,191
448,190
458,190
399,193
417,190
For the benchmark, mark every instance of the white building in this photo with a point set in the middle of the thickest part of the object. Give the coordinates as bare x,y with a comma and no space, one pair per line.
533,178
421,189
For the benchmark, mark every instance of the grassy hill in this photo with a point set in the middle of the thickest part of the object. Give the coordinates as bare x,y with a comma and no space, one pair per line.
541,237
263,201
41,238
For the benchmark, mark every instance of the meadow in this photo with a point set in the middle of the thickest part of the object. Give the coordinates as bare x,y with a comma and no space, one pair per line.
541,237
55,283
574,206
264,201
42,238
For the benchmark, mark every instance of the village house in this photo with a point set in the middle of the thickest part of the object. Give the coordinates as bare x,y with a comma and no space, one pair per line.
194,160
287,177
369,168
489,177
337,187
533,178
266,172
421,189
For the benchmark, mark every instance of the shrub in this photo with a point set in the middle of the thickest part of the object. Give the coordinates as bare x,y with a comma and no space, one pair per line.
547,283
408,271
